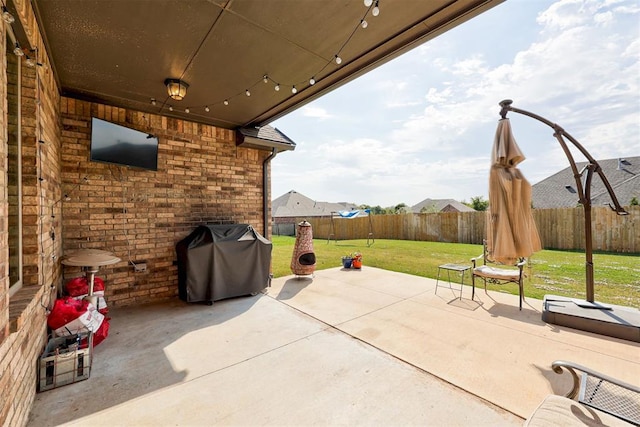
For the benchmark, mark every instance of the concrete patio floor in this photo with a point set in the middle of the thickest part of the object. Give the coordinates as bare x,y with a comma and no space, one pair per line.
346,347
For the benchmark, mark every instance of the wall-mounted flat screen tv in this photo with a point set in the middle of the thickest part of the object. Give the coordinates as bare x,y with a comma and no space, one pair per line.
112,143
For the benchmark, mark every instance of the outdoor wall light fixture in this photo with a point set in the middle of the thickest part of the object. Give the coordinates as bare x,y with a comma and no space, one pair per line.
176,88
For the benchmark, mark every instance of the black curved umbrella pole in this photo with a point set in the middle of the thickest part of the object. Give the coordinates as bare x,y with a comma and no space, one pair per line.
584,192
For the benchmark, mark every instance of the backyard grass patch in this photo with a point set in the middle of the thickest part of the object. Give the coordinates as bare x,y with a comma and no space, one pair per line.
617,276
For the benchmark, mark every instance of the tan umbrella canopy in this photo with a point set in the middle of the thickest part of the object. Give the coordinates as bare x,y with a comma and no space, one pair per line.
511,230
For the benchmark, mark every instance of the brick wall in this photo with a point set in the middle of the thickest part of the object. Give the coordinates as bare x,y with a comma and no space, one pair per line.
4,210
202,177
18,355
140,215
23,315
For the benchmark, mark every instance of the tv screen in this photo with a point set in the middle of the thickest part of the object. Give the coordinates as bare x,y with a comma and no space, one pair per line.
112,143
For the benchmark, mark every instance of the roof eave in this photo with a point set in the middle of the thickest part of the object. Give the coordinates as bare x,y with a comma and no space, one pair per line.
245,141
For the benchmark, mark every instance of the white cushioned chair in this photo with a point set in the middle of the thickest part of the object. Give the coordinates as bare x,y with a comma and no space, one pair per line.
499,273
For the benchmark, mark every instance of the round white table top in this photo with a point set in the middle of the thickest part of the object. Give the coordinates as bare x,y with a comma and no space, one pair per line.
90,258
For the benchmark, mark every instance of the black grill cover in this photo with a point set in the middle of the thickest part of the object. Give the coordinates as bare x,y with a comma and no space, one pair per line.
222,261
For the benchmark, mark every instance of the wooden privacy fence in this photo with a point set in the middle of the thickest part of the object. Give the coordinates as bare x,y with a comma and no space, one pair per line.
558,228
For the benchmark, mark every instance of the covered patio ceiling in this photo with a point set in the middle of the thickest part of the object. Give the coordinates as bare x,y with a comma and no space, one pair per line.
120,52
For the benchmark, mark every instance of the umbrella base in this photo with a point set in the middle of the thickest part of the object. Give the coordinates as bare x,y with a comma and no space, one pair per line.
610,320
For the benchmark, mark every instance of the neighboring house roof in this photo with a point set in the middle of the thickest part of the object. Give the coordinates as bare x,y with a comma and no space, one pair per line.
440,205
294,204
559,190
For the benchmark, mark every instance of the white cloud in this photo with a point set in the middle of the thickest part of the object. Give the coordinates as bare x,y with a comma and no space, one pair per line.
567,69
470,67
436,96
315,112
603,18
564,14
422,126
402,104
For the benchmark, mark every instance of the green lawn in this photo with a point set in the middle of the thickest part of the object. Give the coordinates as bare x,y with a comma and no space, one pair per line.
617,276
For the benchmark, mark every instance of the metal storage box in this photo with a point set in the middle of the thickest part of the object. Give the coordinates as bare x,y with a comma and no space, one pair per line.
63,362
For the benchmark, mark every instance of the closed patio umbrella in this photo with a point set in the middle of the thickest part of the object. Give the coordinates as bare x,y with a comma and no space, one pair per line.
511,230
588,315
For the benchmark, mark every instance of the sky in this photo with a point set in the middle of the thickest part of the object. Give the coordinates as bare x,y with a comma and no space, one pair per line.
422,126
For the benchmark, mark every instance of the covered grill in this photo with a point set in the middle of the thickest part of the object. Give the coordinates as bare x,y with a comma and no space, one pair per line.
222,261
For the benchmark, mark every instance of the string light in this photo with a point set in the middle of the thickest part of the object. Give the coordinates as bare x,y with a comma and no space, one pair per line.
33,62
337,59
7,16
30,62
186,110
17,51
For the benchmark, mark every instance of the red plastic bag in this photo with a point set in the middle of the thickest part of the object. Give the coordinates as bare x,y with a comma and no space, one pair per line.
65,310
79,286
101,303
70,316
99,335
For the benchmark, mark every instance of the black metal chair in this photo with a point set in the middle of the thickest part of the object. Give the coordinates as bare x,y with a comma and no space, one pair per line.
595,399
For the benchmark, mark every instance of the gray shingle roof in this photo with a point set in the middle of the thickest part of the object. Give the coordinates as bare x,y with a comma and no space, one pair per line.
267,132
294,204
441,205
559,190
264,137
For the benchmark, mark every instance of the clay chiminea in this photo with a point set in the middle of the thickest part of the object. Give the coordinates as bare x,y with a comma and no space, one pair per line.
303,261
